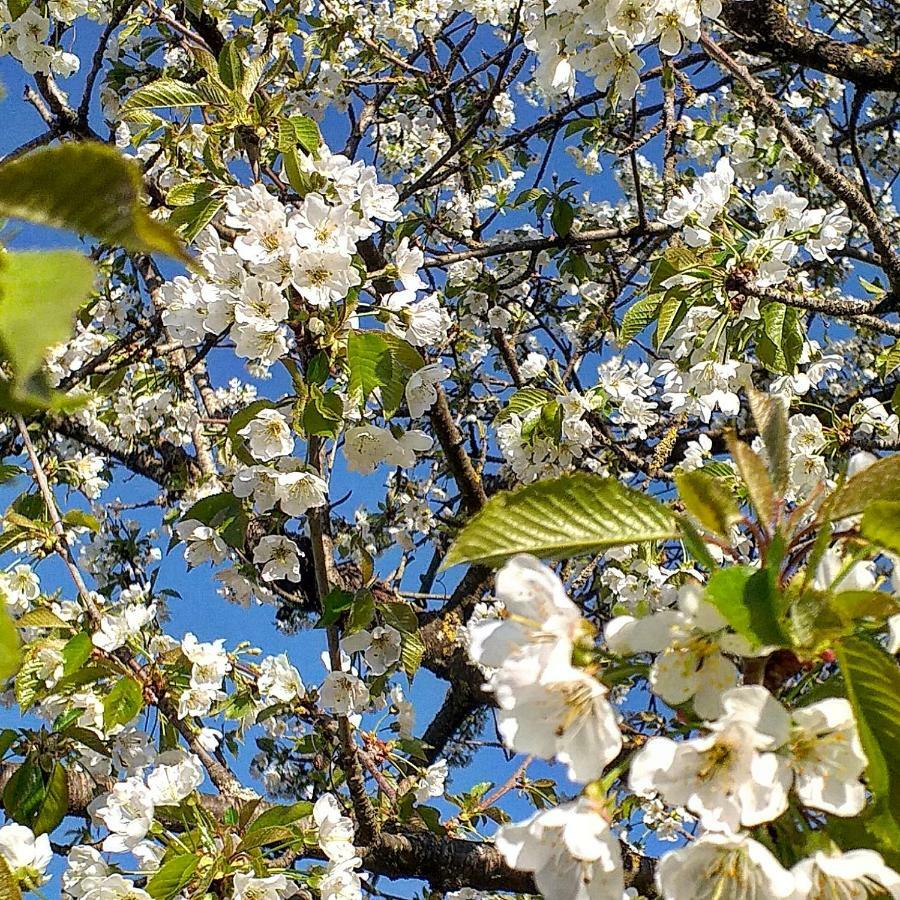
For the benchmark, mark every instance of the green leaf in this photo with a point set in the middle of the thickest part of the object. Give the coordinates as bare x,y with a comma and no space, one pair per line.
226,514
37,798
361,612
852,606
77,652
122,703
323,413
770,415
231,66
665,319
173,875
562,217
88,188
298,130
400,616
55,801
695,545
10,646
9,886
8,737
190,220
521,403
163,94
44,287
41,618
78,518
779,342
371,364
318,369
748,600
412,652
880,481
189,192
405,360
266,837
756,479
307,132
881,524
280,815
890,360
637,317
708,501
24,792
559,518
335,603
873,686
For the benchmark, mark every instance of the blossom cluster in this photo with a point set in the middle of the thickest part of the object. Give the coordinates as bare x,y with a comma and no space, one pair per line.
737,774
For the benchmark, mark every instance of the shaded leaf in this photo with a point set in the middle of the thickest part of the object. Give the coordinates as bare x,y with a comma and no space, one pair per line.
755,476
88,188
770,415
880,481
709,501
881,524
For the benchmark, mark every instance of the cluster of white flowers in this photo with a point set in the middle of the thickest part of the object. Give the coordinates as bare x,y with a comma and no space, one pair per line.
532,450
209,666
691,643
366,447
341,880
548,707
127,811
602,39
124,621
19,588
738,774
26,38
731,866
306,251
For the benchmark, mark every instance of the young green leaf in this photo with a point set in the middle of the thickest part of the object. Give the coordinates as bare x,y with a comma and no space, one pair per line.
880,481
39,287
88,188
755,476
873,686
748,600
173,875
371,364
122,703
881,524
770,415
559,518
10,647
708,501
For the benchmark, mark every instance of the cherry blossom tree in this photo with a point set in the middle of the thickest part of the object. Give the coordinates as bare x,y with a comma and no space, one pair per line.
535,363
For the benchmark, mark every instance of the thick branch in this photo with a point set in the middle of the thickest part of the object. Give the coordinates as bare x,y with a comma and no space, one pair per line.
764,27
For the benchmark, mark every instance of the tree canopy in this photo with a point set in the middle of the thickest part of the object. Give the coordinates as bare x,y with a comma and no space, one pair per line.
536,364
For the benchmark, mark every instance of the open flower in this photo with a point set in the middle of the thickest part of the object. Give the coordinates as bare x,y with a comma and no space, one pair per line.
723,867
570,849
857,873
